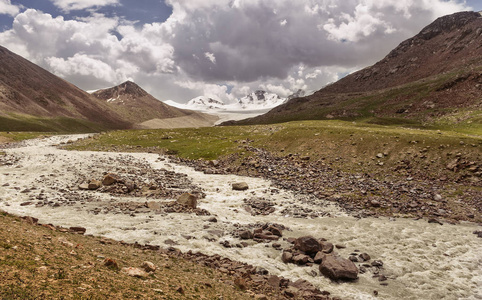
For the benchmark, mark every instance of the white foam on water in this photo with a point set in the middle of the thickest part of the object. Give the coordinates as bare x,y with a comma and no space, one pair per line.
421,260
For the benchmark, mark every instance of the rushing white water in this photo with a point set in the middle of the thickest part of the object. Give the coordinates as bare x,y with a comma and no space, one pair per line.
421,260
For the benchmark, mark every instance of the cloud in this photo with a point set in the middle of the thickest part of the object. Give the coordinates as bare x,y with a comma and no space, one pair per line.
7,8
221,48
69,5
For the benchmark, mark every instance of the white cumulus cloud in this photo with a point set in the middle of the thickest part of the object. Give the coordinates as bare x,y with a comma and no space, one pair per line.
7,8
68,5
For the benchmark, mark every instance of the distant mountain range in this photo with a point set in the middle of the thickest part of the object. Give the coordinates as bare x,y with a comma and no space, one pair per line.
258,100
434,77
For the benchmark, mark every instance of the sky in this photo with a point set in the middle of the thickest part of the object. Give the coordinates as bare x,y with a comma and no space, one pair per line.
223,49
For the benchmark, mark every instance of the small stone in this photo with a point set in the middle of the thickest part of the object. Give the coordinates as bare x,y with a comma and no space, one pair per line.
301,259
108,262
287,257
109,179
188,200
260,297
241,283
365,257
353,258
135,272
245,234
149,267
77,229
275,231
377,263
433,220
382,278
319,257
213,220
84,186
375,203
327,247
180,290
94,184
240,186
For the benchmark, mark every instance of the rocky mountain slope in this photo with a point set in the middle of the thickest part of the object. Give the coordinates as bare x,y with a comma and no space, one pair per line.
434,77
33,98
136,105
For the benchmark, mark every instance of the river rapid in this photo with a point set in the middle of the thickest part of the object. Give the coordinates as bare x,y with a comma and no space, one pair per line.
421,260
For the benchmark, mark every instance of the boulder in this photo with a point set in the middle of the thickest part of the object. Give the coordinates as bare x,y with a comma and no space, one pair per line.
240,186
308,245
338,268
188,200
109,179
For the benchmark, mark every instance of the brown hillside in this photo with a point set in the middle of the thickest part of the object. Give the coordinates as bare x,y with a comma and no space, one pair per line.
450,42
136,105
436,76
139,107
27,89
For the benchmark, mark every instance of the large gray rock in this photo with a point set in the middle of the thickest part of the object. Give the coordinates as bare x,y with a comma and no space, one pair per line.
338,268
188,200
307,244
240,186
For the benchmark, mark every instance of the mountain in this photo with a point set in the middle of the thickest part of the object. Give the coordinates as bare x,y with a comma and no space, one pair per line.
136,105
258,100
143,110
205,103
433,77
32,98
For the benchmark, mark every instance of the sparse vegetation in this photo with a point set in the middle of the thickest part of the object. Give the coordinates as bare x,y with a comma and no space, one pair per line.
15,122
39,263
352,146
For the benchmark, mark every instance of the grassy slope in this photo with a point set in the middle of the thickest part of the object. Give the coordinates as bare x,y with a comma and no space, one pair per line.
380,107
15,122
351,146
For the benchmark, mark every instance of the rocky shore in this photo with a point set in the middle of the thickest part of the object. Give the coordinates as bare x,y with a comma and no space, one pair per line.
361,195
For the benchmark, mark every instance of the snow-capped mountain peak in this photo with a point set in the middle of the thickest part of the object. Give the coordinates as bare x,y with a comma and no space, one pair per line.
204,102
260,100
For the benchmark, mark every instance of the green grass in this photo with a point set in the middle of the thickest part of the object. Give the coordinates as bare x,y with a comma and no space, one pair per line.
350,146
379,107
